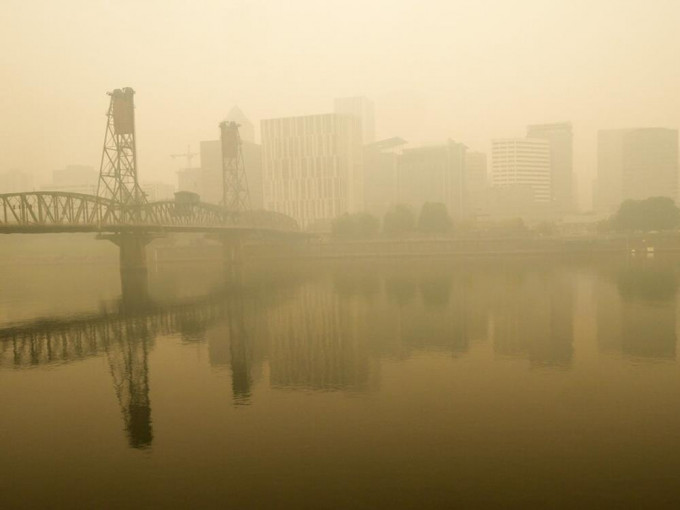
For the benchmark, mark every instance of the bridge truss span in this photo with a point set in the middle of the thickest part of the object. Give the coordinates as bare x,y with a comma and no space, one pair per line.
57,212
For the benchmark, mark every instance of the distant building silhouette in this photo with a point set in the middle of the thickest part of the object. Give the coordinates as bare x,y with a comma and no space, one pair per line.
362,108
433,174
246,128
635,164
313,167
381,163
157,190
520,178
522,161
16,181
190,179
74,179
475,183
560,139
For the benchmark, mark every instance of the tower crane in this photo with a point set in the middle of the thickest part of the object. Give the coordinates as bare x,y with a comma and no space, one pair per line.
188,155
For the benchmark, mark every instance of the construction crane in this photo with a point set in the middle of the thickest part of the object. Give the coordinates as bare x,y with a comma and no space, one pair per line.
188,155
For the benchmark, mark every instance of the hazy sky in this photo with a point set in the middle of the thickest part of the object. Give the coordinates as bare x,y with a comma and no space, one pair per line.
467,70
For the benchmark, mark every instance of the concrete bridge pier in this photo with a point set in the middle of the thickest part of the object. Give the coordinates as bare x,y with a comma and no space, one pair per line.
232,250
133,266
133,251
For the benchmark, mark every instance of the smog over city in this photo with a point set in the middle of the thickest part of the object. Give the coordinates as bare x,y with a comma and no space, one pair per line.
323,254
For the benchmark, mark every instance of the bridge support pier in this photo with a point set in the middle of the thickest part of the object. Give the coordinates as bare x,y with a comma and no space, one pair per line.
132,249
133,252
232,250
133,266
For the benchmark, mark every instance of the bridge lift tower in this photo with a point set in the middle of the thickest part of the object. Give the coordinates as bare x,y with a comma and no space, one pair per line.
118,171
235,195
118,179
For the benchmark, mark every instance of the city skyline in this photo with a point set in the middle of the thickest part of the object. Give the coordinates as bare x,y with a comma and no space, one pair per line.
503,67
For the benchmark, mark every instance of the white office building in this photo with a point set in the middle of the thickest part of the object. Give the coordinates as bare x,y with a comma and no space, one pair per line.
522,163
312,167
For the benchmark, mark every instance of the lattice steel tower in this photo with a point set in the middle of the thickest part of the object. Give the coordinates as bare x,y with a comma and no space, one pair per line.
235,195
118,170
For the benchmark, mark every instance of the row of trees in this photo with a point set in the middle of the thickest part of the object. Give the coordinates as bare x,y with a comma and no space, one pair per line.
399,220
651,214
655,213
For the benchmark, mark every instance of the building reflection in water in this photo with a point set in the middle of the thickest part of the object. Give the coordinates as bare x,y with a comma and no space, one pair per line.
636,310
322,332
532,317
315,342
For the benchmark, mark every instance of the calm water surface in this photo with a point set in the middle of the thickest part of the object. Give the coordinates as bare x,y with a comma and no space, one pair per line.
386,384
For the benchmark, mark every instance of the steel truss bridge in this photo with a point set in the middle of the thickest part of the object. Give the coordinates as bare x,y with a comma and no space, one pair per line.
121,207
45,212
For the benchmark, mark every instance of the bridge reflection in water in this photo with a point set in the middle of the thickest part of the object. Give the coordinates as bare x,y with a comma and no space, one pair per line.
328,328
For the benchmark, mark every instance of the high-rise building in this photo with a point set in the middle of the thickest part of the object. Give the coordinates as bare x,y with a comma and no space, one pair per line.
433,174
522,162
362,108
475,183
190,179
313,167
635,164
381,164
560,139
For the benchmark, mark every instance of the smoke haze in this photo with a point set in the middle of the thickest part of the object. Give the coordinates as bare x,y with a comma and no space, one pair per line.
470,71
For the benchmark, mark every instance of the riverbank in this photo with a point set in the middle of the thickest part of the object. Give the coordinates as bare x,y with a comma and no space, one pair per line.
479,246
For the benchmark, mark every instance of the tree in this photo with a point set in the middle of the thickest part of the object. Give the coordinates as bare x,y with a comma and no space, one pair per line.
358,225
655,213
398,220
434,218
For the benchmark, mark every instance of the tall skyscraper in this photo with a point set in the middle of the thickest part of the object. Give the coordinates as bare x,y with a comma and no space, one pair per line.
313,167
433,174
362,108
522,162
635,164
560,139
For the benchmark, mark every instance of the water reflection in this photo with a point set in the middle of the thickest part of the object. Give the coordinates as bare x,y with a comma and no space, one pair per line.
128,361
533,318
315,342
124,334
637,309
327,328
